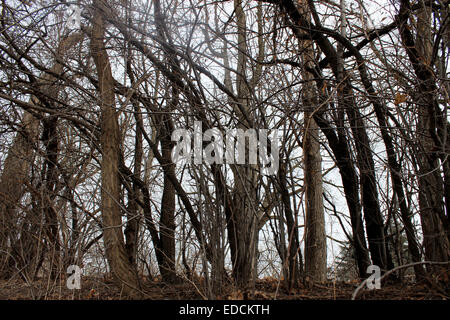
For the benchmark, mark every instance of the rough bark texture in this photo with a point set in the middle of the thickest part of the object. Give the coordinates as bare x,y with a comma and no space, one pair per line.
119,264
167,221
431,124
315,240
241,219
337,139
431,194
14,177
166,245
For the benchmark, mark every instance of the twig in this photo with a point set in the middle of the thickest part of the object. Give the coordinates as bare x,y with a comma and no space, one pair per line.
355,293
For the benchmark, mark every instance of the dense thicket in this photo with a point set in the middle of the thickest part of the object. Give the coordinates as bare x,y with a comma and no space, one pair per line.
91,95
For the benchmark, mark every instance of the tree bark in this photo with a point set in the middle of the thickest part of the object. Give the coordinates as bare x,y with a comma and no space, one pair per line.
120,266
17,167
315,239
429,129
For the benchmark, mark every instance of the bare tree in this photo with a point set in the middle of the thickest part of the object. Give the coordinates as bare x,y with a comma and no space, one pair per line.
121,267
315,241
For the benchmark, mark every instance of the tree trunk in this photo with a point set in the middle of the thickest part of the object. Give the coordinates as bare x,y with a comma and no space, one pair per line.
429,128
167,221
315,240
120,266
17,167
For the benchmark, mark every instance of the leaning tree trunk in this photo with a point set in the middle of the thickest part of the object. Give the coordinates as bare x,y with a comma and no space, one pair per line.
16,172
431,191
430,122
120,266
337,138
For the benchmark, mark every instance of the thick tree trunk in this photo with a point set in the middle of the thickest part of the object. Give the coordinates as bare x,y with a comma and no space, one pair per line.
369,192
167,221
429,128
120,266
337,139
339,146
241,211
50,140
16,171
166,246
15,174
134,195
372,213
315,240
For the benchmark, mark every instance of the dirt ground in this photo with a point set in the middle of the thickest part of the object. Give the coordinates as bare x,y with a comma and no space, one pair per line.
266,289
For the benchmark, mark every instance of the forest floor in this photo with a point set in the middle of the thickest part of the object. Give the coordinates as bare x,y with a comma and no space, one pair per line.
265,289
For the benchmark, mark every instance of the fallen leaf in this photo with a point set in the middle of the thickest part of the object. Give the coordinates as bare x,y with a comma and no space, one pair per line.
400,98
236,295
92,294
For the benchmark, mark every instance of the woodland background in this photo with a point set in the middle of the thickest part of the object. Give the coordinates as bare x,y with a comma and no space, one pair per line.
358,92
